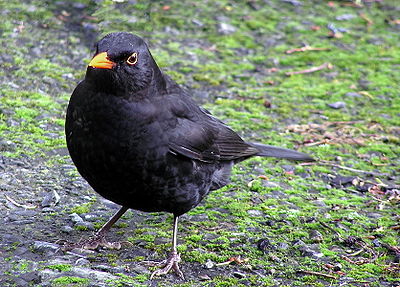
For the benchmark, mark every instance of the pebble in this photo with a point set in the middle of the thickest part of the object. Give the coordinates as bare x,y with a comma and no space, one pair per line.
255,213
353,95
316,236
264,245
66,229
99,276
51,199
337,105
266,183
45,247
225,28
82,262
282,246
311,250
209,264
239,275
76,218
345,17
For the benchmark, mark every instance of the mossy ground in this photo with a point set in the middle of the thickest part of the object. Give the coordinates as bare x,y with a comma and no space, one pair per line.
240,76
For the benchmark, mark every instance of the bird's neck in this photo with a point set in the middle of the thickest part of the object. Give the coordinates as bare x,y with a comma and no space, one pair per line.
159,82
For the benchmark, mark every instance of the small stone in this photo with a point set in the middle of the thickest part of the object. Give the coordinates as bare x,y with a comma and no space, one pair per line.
204,277
345,17
376,242
94,275
293,2
209,264
197,22
337,105
32,277
82,261
337,267
353,95
51,199
239,275
44,247
298,242
264,245
76,218
316,236
67,229
282,246
255,213
311,251
269,184
225,28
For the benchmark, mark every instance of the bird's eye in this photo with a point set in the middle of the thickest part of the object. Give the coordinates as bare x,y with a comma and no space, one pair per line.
132,59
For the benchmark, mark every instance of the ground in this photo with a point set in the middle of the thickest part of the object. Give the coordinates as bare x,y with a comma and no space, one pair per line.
321,77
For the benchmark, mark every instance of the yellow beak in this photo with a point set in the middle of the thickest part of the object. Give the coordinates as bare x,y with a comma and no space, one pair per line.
101,61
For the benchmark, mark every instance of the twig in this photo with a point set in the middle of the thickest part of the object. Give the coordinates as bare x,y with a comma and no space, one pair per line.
369,21
331,229
26,206
311,70
318,274
357,252
306,48
324,162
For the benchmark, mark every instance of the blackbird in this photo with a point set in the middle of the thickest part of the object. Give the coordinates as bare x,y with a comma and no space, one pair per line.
141,141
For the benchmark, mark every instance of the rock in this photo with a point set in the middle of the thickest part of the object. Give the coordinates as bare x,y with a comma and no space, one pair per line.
255,213
337,267
32,277
316,236
311,250
197,23
345,17
96,276
239,275
66,229
266,183
209,264
204,277
337,105
82,262
45,247
76,218
225,28
264,245
282,246
293,2
51,199
298,242
353,95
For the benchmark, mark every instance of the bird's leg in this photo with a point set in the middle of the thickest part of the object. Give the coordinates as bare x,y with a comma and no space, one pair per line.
99,238
173,259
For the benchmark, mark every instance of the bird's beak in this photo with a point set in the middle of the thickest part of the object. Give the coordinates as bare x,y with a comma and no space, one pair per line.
101,61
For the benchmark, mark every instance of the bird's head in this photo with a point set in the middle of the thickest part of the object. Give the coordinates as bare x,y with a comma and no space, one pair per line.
123,63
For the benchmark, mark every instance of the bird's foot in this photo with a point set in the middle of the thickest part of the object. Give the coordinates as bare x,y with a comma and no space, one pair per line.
92,243
166,265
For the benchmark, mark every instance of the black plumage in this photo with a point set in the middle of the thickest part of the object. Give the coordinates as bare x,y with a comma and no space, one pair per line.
142,142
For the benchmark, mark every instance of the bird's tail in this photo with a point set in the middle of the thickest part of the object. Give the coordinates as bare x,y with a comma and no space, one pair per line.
278,152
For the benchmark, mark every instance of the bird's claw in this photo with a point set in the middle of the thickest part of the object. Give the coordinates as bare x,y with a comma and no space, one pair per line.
166,265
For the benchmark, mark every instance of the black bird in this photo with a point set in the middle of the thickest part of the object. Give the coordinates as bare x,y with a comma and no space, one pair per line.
141,141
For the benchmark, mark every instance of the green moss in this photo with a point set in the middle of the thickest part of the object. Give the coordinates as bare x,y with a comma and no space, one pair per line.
70,281
83,208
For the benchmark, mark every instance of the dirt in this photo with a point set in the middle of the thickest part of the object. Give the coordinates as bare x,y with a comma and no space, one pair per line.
333,223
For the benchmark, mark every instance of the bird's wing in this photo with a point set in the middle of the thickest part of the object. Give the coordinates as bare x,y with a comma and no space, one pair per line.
200,136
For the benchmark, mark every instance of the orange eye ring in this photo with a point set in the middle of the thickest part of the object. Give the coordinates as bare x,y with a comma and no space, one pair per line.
132,59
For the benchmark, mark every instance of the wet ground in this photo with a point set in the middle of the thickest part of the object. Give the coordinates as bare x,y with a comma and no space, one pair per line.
334,223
